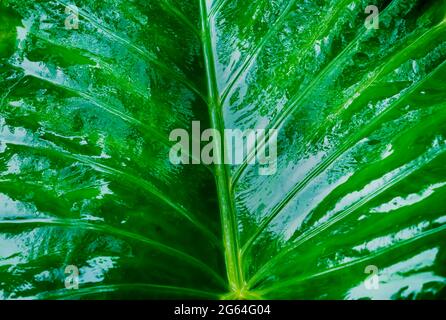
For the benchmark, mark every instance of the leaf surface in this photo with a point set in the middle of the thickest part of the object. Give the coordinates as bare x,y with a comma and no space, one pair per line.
85,175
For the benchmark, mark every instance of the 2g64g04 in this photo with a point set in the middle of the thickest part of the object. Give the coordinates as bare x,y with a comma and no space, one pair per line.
244,309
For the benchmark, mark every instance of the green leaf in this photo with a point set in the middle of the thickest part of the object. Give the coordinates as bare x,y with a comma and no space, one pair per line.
90,94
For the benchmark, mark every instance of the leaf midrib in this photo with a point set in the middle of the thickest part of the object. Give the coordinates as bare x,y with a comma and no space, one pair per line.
222,175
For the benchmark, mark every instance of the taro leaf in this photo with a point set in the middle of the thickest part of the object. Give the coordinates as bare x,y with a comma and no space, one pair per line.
89,95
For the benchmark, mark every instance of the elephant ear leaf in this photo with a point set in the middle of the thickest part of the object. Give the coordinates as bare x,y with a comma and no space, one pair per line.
89,96
360,182
92,207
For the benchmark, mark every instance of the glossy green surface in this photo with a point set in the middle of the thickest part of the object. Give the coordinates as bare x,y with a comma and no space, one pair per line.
85,176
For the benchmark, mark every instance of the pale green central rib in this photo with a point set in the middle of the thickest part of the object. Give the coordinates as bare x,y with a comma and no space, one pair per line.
222,176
